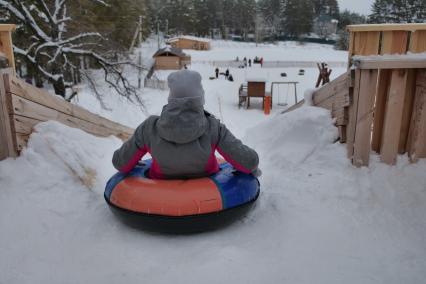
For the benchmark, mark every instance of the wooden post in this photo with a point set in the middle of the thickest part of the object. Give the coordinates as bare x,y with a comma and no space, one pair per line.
366,98
394,116
6,45
353,112
379,111
7,138
417,133
392,42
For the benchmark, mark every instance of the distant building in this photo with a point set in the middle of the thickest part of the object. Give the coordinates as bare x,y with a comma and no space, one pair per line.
170,58
190,42
325,26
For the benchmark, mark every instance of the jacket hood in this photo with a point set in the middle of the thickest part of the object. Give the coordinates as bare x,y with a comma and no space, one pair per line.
182,121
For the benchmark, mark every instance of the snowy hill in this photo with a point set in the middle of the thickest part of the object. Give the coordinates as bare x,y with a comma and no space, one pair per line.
318,218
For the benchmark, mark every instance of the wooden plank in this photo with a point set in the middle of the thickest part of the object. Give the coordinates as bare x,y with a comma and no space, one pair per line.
294,107
24,125
386,27
341,116
362,142
351,48
366,43
379,110
417,132
337,101
394,42
418,41
352,112
338,85
7,27
342,133
410,89
27,108
6,47
403,62
29,92
393,116
7,139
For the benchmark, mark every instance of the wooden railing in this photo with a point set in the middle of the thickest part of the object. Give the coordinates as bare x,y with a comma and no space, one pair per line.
379,85
386,39
22,106
380,104
388,112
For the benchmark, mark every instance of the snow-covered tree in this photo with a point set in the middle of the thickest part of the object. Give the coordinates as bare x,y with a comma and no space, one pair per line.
55,52
398,11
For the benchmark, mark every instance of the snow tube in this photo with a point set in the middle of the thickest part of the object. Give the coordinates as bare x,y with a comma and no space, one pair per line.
181,206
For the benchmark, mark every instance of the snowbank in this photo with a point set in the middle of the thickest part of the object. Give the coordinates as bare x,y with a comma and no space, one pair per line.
289,139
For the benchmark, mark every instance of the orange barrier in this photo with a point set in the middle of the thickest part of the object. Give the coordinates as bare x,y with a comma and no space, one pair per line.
267,105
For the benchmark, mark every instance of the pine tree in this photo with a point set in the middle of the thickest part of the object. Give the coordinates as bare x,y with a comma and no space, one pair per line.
398,11
270,12
297,17
326,7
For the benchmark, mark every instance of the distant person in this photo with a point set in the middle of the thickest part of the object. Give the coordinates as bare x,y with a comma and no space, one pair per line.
249,62
185,66
183,140
217,72
261,62
227,73
245,62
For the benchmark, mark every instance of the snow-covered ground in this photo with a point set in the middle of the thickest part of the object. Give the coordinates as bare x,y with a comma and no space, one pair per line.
318,219
281,51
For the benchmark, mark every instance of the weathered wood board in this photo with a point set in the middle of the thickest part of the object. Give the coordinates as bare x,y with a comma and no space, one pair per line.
393,116
364,118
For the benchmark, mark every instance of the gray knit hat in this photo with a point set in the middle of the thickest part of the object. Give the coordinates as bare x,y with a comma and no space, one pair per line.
185,85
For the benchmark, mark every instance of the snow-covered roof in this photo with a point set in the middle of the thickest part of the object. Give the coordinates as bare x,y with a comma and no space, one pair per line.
189,38
172,50
256,78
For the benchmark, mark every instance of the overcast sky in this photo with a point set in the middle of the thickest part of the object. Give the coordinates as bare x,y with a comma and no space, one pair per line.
359,6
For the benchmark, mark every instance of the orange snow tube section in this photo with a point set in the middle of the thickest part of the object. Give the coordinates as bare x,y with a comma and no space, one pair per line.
168,197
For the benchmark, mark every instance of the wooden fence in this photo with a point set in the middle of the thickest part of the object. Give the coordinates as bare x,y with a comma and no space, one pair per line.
388,116
155,83
380,104
22,106
385,92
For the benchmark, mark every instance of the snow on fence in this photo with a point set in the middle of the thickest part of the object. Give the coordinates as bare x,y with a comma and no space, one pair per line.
380,105
22,106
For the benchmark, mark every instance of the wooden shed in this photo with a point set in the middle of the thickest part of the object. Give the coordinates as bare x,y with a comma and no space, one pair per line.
170,58
190,42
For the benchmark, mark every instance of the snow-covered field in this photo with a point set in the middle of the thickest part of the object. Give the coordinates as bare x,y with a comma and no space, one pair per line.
318,219
281,51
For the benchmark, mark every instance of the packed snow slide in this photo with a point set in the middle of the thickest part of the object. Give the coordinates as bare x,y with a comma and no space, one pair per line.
317,220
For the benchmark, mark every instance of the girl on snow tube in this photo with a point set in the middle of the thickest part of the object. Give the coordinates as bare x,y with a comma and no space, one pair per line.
183,183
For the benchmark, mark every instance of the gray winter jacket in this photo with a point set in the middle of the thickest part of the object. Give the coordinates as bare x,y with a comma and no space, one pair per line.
182,142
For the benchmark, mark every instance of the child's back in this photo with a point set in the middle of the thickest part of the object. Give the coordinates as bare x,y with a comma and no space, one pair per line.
183,140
